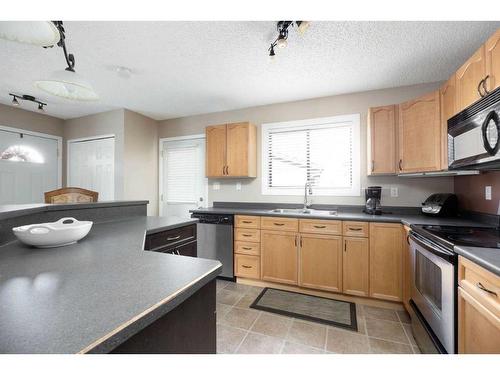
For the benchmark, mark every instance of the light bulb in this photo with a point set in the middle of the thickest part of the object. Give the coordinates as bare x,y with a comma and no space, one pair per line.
302,26
40,107
281,43
15,102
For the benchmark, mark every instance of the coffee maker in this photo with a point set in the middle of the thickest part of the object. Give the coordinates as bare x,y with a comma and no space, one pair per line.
372,197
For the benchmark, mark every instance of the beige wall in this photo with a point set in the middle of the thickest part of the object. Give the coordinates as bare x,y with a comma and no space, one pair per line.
141,159
16,117
411,191
106,123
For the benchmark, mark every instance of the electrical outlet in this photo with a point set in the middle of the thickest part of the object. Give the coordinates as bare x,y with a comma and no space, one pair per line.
238,186
394,192
487,193
216,186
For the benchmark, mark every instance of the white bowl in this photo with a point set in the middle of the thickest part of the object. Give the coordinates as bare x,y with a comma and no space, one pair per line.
63,232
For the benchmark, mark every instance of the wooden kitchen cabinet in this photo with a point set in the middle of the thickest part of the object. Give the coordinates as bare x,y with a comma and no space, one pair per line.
320,262
420,134
448,106
279,256
382,147
492,59
468,79
406,268
356,266
231,150
386,261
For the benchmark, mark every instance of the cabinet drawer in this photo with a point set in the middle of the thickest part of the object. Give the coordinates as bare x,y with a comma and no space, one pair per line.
481,284
252,222
320,226
247,235
247,248
355,228
280,223
163,240
247,266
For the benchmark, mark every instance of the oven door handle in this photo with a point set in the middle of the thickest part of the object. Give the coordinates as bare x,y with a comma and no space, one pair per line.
433,248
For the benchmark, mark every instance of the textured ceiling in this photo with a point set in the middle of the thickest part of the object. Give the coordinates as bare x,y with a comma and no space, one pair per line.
185,68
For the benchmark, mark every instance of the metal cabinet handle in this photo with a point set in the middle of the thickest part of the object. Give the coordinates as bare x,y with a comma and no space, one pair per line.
245,266
246,235
484,289
300,240
320,226
486,92
355,229
246,222
400,164
345,246
279,224
246,248
177,251
408,239
479,85
295,241
173,238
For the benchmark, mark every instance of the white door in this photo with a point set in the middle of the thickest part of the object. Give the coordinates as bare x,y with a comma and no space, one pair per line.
91,165
184,186
29,167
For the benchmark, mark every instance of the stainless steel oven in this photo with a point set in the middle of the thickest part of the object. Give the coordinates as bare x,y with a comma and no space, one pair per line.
474,135
432,295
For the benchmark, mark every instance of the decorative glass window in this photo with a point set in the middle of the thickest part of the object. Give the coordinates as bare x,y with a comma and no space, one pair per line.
323,152
22,153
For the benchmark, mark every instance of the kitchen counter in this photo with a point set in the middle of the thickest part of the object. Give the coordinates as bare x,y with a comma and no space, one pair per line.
94,295
487,258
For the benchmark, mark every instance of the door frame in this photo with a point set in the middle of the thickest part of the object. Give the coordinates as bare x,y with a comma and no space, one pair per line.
160,165
91,138
43,135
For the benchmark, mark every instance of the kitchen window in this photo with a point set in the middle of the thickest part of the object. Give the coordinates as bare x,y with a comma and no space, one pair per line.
321,151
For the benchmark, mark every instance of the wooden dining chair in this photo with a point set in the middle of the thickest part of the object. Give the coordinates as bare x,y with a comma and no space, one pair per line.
71,195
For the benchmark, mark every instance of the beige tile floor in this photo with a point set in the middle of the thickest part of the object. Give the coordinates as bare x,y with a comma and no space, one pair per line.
249,331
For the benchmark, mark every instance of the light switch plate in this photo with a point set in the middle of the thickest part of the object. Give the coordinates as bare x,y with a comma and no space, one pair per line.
216,186
238,186
394,192
487,193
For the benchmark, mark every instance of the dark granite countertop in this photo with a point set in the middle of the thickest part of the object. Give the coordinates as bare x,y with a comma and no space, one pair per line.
14,210
488,258
93,295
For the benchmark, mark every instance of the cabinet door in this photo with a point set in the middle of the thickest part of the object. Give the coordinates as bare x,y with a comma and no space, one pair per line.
215,150
469,75
279,255
406,268
241,150
386,261
356,266
478,327
320,262
448,105
492,51
420,134
382,140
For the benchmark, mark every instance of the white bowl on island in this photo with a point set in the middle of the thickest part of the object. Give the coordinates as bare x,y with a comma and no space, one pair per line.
65,231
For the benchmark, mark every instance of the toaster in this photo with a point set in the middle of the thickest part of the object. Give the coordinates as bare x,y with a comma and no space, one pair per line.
440,204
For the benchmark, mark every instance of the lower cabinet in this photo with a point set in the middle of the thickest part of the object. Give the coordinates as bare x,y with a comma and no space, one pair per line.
320,260
247,266
279,256
386,261
356,266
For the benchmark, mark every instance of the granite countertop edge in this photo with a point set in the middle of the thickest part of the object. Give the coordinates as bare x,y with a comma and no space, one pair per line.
488,258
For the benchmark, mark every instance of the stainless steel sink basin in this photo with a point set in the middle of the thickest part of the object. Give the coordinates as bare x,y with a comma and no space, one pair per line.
302,211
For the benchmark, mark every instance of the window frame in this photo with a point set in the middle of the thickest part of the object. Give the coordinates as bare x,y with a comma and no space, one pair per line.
322,122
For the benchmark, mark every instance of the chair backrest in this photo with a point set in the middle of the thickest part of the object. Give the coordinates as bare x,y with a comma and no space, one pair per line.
71,195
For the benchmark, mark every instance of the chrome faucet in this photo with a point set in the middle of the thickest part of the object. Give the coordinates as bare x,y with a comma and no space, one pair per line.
307,188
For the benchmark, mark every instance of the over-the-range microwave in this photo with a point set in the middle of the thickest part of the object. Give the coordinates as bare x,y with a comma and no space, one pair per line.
474,135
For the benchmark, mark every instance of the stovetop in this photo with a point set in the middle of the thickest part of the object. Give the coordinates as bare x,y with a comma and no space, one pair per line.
450,236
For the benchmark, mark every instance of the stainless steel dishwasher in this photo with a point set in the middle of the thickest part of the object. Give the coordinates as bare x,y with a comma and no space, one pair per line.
215,240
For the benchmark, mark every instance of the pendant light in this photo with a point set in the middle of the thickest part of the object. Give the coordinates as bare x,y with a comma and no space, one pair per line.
38,33
67,83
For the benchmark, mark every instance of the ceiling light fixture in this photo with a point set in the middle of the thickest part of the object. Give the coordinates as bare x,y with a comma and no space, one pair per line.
282,27
67,83
28,98
38,33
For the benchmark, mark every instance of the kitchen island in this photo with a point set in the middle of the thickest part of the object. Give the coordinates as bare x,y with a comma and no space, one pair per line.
105,293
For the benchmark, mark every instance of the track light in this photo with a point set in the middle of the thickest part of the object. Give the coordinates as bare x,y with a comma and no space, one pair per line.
271,52
282,28
28,98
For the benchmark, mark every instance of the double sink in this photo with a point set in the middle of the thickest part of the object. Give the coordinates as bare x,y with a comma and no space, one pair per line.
303,211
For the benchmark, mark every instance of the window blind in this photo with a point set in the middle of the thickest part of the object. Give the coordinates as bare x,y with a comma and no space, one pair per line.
322,154
182,169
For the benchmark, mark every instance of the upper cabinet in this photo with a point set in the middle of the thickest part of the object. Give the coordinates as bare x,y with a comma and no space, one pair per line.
382,123
231,150
492,59
448,102
469,79
420,134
